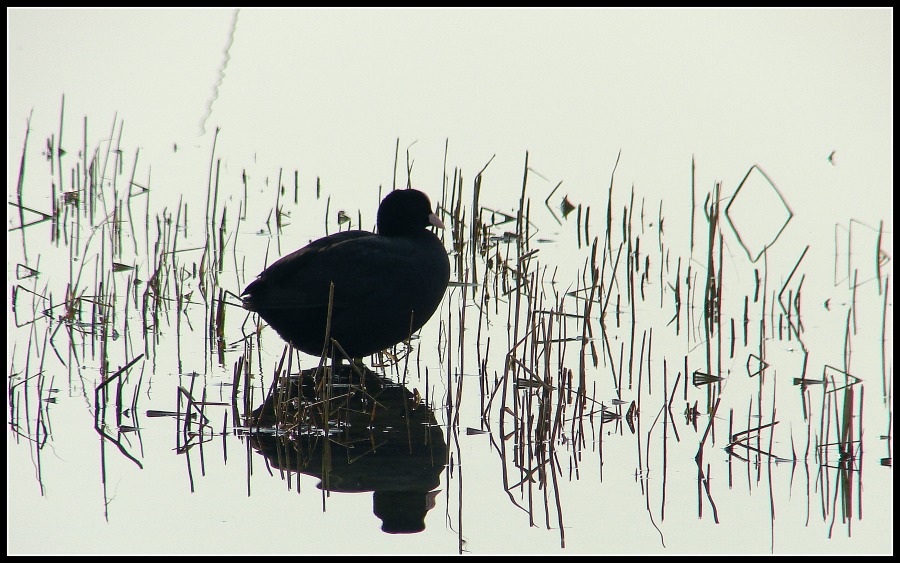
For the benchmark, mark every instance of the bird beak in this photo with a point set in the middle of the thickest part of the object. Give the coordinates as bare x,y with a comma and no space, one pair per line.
433,219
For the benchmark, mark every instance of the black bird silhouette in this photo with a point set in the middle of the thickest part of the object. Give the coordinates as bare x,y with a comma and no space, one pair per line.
386,285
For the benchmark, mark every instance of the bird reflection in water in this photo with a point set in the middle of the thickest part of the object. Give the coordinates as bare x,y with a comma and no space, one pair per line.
381,438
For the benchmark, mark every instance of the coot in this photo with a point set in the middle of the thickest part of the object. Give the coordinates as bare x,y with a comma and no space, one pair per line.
386,285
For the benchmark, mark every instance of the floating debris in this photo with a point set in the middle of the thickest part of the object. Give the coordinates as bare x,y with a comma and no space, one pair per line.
566,207
609,416
630,416
804,381
762,365
701,378
691,414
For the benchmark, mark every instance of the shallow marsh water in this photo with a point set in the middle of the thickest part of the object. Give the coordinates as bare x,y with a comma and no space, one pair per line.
573,369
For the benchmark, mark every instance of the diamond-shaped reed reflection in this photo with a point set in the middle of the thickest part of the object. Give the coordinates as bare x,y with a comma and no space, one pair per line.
757,212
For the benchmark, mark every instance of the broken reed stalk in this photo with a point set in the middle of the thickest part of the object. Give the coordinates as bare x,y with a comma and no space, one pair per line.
100,406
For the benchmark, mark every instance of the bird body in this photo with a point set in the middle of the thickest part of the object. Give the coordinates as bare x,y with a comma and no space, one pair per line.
386,285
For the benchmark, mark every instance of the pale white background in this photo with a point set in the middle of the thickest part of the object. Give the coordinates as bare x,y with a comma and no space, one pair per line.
328,92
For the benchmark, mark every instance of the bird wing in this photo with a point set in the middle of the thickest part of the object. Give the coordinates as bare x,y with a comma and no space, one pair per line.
302,279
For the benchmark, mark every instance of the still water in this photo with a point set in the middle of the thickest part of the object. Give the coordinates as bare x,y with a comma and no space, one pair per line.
696,363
